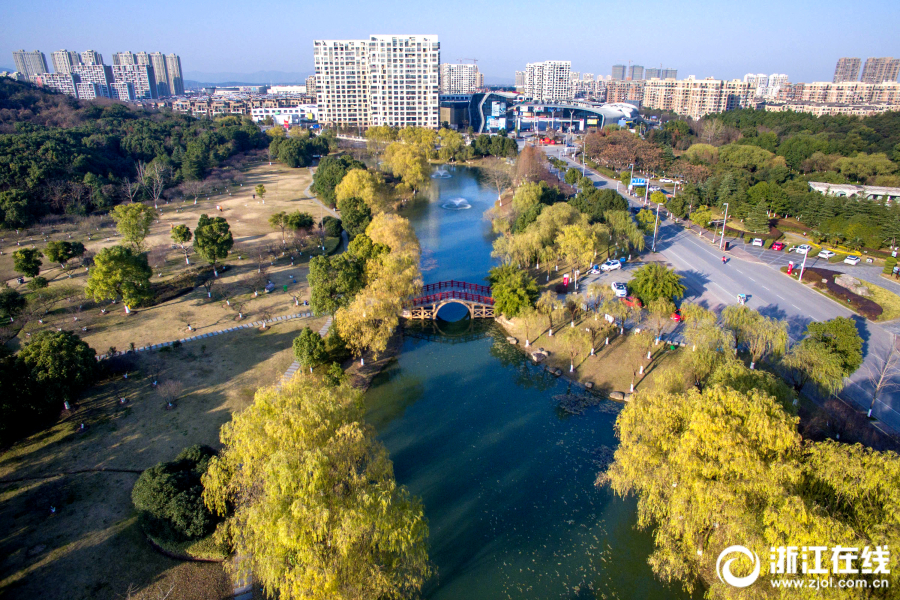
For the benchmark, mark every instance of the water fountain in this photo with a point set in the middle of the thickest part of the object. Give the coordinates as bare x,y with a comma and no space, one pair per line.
441,173
456,204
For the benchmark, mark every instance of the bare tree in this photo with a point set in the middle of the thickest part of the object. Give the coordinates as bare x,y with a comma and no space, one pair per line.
130,189
883,373
193,189
169,391
498,173
208,286
153,365
157,177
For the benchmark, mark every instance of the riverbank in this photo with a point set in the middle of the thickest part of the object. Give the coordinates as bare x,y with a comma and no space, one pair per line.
613,367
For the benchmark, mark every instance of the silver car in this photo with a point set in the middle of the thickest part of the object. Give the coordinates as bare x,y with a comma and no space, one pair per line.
619,288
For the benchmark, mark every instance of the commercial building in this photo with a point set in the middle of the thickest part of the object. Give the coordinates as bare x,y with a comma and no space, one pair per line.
879,70
490,112
141,78
30,63
460,79
869,192
91,57
64,60
549,80
697,97
636,72
847,69
385,80
618,72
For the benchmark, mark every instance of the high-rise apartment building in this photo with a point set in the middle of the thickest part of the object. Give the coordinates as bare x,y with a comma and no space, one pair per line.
64,60
587,77
61,82
652,73
697,97
636,72
161,71
879,70
91,57
668,74
140,77
125,58
460,79
549,80
30,64
173,74
631,92
311,86
847,69
520,80
93,81
385,80
618,72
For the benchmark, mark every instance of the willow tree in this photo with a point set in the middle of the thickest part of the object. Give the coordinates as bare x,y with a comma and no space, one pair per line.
763,336
310,502
726,467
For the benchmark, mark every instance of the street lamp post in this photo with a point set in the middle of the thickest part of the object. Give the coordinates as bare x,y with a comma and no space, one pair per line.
725,220
803,266
656,227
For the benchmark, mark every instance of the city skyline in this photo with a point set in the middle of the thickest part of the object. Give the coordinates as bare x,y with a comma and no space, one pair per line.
809,53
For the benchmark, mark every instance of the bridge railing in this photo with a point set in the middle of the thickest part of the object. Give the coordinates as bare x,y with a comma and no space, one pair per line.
453,284
452,295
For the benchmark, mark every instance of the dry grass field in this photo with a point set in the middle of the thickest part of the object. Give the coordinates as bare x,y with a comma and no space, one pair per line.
91,546
256,244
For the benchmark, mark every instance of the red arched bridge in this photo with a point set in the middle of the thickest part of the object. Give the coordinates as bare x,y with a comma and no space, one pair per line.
477,298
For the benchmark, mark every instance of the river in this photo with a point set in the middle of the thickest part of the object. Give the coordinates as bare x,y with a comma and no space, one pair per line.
506,478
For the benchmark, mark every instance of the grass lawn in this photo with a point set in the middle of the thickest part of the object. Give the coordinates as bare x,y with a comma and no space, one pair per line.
889,301
610,369
169,320
92,546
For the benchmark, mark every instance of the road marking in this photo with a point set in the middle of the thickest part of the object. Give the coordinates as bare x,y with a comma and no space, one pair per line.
795,306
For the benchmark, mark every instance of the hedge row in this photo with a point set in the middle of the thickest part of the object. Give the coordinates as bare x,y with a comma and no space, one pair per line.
863,306
774,234
889,263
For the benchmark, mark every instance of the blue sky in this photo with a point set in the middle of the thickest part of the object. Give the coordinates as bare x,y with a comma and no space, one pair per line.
719,38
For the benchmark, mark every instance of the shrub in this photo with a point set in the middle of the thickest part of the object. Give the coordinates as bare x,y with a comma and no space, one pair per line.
768,243
333,227
168,496
863,306
889,264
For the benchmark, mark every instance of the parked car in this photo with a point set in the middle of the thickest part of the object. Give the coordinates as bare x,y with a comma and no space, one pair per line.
666,180
826,254
620,289
801,249
610,265
757,242
778,246
853,260
632,301
676,316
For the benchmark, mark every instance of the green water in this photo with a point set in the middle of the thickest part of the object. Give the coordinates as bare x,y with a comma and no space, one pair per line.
473,429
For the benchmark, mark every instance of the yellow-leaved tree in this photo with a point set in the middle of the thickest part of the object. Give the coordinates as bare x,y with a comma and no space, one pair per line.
311,505
365,185
722,467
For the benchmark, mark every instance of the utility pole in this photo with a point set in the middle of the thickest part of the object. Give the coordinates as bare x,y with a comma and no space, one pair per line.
656,227
725,220
803,266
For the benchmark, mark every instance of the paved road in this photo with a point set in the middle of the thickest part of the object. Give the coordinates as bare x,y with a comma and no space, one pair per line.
714,285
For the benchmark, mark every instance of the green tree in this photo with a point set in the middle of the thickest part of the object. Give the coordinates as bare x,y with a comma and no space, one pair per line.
309,349
299,459
842,339
330,173
119,273
572,176
757,220
655,280
169,496
260,190
12,303
181,235
213,240
513,290
300,220
63,251
280,221
27,261
646,220
355,215
575,342
60,364
332,226
812,361
333,282
133,222
334,376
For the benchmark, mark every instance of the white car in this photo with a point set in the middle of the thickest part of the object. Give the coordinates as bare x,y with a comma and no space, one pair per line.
610,265
803,249
757,242
853,260
666,180
619,288
826,254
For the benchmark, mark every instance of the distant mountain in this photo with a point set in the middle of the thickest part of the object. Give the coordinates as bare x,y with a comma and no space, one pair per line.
7,69
246,78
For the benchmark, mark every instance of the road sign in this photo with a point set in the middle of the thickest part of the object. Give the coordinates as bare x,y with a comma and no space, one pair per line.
638,181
